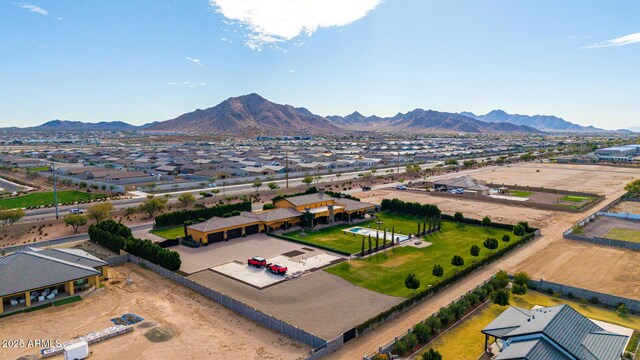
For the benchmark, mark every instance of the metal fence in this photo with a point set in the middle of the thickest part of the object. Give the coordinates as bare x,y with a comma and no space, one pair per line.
236,306
610,300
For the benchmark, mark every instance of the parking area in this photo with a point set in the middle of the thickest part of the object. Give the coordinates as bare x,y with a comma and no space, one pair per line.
260,278
239,250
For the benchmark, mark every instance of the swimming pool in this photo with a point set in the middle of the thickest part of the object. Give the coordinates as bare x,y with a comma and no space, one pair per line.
372,232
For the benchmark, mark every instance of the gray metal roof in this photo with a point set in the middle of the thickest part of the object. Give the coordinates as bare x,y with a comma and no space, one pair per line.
27,270
76,256
353,205
538,349
564,326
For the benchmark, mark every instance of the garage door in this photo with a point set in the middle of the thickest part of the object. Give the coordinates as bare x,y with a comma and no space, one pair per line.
253,229
234,233
215,237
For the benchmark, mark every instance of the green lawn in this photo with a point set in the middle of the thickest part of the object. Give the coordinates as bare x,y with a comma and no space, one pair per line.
46,198
169,233
334,237
38,168
574,198
623,234
466,342
520,193
386,271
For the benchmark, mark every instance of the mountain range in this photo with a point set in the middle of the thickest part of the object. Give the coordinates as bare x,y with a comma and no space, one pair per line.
547,123
251,115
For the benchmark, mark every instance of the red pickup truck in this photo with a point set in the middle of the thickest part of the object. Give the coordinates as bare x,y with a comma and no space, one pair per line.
257,261
277,269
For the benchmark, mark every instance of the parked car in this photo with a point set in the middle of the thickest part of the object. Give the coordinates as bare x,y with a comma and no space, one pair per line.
277,269
76,211
257,261
366,188
401,187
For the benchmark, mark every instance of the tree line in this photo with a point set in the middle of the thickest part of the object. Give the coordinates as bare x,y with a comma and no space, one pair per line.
117,236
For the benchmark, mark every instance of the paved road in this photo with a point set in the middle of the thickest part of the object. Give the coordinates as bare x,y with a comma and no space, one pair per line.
68,239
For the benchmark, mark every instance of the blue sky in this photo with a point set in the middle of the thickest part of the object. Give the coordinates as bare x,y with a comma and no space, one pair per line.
142,61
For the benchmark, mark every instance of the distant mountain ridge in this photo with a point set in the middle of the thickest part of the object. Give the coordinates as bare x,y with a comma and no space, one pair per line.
547,123
420,120
251,115
69,125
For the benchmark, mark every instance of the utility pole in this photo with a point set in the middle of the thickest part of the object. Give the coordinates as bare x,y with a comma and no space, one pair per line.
286,166
55,188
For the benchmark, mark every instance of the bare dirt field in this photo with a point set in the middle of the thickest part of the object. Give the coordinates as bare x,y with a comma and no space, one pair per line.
320,303
629,207
202,328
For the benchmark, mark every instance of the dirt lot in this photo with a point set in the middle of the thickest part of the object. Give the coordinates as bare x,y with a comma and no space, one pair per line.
203,329
320,303
629,207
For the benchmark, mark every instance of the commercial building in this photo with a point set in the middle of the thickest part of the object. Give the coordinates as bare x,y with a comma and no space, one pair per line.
618,153
40,275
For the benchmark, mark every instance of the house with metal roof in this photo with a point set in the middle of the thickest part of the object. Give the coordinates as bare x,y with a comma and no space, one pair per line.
33,275
553,333
466,183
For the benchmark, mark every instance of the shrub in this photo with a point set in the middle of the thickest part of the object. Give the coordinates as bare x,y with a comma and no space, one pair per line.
458,217
490,243
500,297
179,217
438,270
412,282
381,357
268,206
431,355
422,331
518,230
594,300
518,289
521,278
401,347
622,310
475,250
506,238
486,221
457,260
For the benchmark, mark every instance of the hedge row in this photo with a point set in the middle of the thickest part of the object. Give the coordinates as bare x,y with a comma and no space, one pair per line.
341,252
427,329
179,217
111,236
410,208
442,284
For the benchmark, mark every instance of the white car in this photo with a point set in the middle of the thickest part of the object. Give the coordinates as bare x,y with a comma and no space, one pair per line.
401,187
76,211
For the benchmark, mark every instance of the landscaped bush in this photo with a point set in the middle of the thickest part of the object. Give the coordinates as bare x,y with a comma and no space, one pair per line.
457,260
475,250
268,206
438,270
506,238
518,289
500,297
518,230
521,278
410,208
490,243
458,217
412,282
179,217
431,355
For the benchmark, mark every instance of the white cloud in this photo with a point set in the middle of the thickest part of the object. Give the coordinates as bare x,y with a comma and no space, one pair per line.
623,40
195,61
291,70
35,9
274,21
188,84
